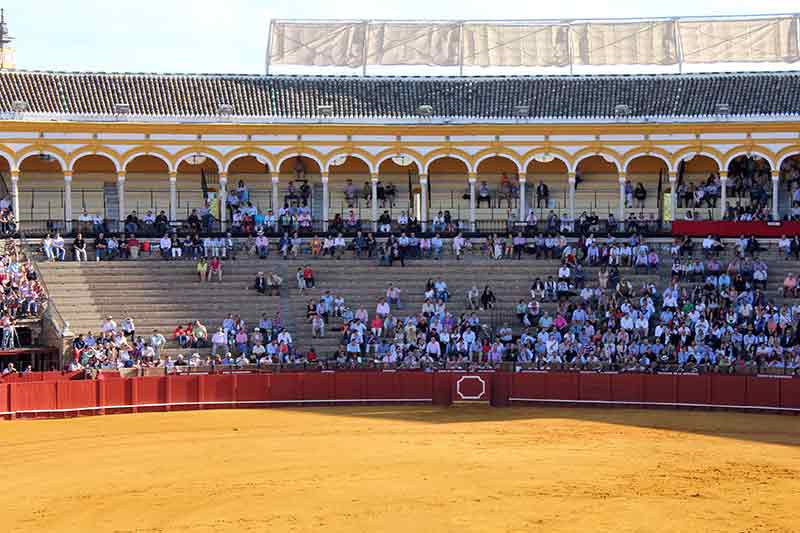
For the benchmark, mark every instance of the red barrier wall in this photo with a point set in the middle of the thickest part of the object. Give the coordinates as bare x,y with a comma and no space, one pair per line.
57,398
734,229
677,390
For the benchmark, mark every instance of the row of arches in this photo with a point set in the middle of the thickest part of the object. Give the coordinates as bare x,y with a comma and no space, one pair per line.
519,163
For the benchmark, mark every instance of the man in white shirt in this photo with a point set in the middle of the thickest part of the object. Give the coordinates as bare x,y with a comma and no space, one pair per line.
165,244
219,341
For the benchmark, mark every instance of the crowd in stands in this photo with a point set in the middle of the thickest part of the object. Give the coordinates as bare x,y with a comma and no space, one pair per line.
22,295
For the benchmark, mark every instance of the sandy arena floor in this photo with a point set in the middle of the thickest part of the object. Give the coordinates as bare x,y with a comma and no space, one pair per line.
406,469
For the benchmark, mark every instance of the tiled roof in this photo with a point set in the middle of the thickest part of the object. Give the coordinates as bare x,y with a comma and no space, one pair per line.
391,98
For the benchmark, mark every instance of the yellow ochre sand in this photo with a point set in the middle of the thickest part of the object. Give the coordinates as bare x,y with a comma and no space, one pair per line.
405,469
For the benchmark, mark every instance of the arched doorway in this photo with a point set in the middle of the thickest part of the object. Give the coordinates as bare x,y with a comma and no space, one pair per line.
95,199
649,177
750,186
350,190
198,190
299,173
400,190
249,178
499,177
41,192
547,185
597,186
449,188
147,189
790,175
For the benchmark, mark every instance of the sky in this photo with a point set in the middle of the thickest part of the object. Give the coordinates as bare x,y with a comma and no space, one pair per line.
230,36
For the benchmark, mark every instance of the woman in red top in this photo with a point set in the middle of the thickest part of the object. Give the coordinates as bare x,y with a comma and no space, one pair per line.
215,269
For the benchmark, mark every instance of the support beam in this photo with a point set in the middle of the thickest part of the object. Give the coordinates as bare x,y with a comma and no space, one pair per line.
473,179
621,213
15,193
121,199
276,184
423,211
68,201
723,194
673,194
373,201
325,201
223,201
173,196
776,176
522,207
571,180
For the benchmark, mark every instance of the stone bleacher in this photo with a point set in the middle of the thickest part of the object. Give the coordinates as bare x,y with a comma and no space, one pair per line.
161,294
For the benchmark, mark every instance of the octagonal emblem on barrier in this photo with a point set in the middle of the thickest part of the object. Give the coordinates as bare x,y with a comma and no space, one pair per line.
471,388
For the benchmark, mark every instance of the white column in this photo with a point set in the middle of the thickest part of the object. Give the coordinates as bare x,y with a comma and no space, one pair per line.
173,196
325,201
373,201
522,207
571,199
223,201
673,194
621,214
121,198
723,194
473,179
68,200
775,189
276,181
15,193
423,212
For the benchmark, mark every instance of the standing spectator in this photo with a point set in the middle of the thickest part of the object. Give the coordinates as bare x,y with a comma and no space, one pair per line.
542,195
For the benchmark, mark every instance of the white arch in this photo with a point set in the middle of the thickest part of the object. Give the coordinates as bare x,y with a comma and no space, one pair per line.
214,158
561,158
650,154
692,155
785,157
44,152
81,155
464,160
9,157
261,158
389,156
750,153
287,157
606,156
520,169
355,155
152,154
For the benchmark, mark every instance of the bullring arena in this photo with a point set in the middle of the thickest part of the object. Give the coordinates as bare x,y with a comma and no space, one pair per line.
546,303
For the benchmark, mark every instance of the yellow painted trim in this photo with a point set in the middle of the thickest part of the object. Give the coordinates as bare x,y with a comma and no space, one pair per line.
785,153
558,153
647,151
381,157
153,151
245,151
596,149
202,150
302,151
704,150
505,153
749,149
442,153
94,149
23,154
358,153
